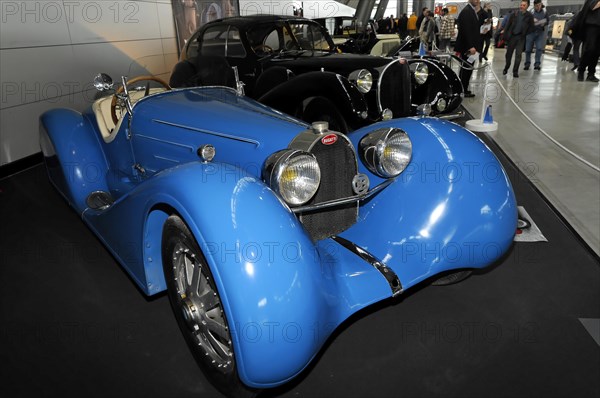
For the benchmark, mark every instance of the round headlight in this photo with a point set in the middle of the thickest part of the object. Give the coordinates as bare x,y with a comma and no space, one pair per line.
421,73
386,152
387,114
363,79
441,105
424,110
295,175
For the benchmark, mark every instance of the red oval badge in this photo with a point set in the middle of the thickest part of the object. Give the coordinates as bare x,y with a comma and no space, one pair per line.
329,139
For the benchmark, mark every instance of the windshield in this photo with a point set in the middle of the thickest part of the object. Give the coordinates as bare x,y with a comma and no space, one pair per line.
290,36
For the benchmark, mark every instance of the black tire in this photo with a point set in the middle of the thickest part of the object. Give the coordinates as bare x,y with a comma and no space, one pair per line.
452,278
319,109
198,310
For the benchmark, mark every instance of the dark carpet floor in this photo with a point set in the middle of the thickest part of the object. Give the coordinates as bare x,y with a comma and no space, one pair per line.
73,324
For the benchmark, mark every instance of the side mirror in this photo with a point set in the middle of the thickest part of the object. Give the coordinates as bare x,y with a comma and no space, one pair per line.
103,82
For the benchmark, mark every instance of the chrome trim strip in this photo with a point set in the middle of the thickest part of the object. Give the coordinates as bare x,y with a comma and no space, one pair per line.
379,79
387,272
342,201
228,136
165,141
166,159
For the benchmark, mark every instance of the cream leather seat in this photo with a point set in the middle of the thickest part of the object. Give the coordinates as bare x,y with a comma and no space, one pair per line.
106,126
101,109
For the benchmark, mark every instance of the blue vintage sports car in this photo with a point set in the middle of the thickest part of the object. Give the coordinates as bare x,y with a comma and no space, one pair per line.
266,232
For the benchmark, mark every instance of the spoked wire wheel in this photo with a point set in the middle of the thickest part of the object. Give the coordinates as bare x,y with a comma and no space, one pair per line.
200,306
197,306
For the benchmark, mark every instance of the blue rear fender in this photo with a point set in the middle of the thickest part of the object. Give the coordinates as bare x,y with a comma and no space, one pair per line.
452,208
283,294
73,155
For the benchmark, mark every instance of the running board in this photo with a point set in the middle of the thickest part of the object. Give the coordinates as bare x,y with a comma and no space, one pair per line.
452,116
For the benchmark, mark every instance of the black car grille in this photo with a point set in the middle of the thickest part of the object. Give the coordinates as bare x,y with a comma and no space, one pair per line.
395,88
338,167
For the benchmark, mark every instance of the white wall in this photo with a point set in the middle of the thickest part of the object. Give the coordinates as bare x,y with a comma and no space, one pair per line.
51,50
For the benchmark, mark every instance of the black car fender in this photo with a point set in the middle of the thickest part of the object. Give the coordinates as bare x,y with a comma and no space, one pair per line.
442,81
290,97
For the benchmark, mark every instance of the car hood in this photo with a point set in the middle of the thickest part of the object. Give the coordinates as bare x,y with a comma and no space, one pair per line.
331,62
216,109
241,129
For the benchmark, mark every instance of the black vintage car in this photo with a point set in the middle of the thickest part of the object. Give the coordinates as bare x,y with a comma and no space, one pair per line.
292,65
436,88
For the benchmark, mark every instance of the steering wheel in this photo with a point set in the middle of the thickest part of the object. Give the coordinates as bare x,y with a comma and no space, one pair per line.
113,104
264,48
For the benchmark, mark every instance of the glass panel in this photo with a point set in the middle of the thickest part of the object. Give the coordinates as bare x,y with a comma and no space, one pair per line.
310,37
214,41
272,40
265,35
192,50
235,47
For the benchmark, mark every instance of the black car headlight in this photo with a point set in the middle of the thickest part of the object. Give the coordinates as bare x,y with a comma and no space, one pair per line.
421,72
441,104
363,79
386,152
295,175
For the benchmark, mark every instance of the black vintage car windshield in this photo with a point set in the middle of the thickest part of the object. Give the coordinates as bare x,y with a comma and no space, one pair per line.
340,25
289,36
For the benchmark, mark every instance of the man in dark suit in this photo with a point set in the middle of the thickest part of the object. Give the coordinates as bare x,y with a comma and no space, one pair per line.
403,26
587,28
518,27
469,41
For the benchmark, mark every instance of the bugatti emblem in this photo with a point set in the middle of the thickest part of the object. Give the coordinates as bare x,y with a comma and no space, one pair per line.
329,139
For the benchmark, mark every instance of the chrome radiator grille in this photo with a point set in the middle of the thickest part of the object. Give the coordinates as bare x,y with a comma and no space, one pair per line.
394,89
337,162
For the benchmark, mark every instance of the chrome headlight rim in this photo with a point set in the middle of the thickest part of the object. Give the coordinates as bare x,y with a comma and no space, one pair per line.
421,73
386,152
387,114
362,79
282,162
441,104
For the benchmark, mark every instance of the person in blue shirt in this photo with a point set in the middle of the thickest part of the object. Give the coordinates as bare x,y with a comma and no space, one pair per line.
537,36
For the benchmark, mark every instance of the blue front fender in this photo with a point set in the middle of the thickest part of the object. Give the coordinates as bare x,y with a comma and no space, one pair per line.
453,207
283,295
